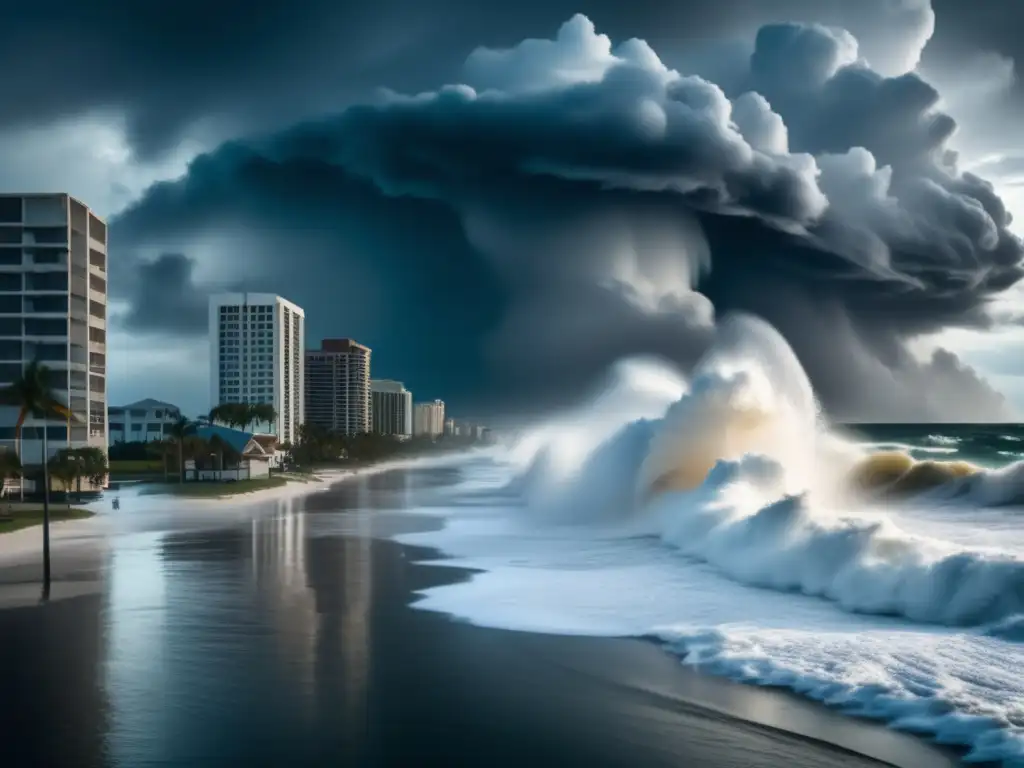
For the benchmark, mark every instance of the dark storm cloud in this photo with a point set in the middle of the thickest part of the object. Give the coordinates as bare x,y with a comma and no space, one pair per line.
165,299
395,274
218,66
614,202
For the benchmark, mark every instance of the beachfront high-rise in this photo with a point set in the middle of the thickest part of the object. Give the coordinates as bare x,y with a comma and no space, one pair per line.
391,408
53,308
428,419
256,346
338,386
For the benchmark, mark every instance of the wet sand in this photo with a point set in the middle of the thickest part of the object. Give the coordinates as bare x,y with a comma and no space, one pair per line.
288,639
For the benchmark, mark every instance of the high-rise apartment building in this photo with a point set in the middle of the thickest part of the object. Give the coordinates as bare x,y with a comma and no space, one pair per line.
338,386
53,308
256,346
391,408
428,419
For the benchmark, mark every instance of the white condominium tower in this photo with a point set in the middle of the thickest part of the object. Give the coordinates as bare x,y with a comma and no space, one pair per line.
53,308
256,345
429,419
391,408
338,386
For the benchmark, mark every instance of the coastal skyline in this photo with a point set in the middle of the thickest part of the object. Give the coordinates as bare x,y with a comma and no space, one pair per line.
555,383
226,192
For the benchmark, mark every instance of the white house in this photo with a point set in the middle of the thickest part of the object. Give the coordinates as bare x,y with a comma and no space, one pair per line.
143,422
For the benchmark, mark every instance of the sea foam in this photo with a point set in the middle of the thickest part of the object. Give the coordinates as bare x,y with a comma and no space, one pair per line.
736,471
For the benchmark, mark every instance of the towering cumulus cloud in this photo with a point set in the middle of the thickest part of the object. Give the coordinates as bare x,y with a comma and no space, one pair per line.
622,205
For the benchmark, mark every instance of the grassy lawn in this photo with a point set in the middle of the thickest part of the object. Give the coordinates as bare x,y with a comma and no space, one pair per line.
25,515
216,490
137,467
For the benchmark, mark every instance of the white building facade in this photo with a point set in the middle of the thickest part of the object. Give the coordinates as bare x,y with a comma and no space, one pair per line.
256,356
53,308
391,408
146,421
428,419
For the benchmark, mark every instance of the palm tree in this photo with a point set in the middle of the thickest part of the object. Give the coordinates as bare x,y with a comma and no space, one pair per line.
163,448
64,467
239,415
32,394
262,413
181,430
91,464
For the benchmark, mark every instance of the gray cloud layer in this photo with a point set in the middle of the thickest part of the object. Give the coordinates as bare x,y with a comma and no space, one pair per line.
577,200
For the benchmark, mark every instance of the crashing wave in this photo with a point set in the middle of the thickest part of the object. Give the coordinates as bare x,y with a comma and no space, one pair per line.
740,472
865,564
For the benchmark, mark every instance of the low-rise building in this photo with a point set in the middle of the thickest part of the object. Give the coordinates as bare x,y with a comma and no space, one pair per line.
233,455
146,421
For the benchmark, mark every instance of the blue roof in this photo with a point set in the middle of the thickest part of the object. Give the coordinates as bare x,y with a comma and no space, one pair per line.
235,438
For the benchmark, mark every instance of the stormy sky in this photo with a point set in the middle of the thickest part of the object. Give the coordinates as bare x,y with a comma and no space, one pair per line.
504,200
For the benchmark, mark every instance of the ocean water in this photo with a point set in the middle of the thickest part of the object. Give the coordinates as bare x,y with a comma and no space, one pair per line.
718,515
989,445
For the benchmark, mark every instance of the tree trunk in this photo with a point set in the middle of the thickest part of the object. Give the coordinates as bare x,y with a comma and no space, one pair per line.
46,519
21,458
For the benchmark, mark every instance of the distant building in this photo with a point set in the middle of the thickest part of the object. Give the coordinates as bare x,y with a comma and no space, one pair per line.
256,346
428,419
391,408
338,386
53,302
143,422
450,427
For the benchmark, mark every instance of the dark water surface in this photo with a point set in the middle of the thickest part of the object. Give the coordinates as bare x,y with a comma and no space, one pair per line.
988,445
285,637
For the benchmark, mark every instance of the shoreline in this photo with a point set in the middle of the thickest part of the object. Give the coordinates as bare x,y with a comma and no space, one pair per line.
776,711
320,633
27,542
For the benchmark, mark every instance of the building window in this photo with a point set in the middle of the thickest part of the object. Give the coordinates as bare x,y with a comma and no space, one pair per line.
48,235
46,303
10,210
46,352
36,326
10,282
46,281
49,256
11,350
